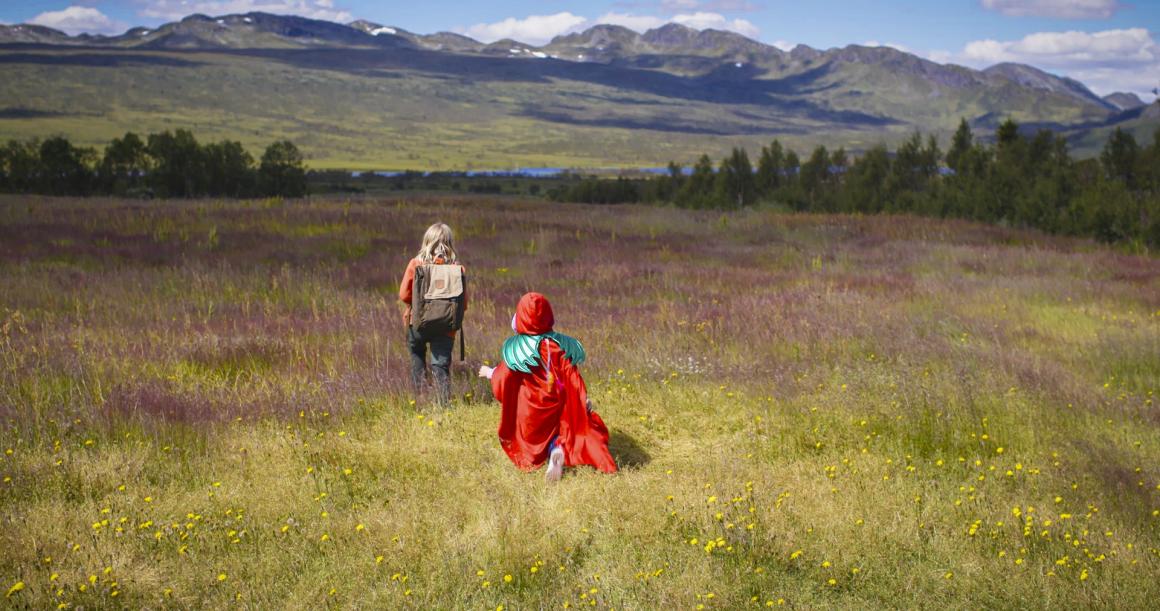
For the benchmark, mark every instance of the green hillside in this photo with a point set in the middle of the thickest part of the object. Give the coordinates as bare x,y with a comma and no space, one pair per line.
359,97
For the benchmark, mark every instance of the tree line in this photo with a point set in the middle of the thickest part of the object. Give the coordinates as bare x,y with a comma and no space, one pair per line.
1020,180
168,164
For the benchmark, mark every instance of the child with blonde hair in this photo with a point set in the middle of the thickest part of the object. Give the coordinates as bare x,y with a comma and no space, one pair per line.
434,289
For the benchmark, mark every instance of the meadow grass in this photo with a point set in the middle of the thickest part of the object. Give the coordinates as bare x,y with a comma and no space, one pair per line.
205,404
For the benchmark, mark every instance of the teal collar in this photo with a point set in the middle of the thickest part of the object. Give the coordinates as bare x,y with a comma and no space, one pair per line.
522,352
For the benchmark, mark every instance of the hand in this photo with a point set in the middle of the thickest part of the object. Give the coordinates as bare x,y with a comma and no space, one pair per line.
485,371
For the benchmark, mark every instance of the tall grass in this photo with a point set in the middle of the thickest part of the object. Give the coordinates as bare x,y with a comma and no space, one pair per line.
206,404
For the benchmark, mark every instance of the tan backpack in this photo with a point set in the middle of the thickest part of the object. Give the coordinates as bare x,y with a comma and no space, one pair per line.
437,300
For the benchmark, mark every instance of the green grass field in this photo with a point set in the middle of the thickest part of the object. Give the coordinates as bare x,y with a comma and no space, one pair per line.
205,404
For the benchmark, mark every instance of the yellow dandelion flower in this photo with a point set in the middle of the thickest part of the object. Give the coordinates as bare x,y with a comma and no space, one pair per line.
948,575
221,577
507,578
16,587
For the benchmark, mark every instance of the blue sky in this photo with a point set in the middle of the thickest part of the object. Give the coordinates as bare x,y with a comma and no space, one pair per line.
1107,44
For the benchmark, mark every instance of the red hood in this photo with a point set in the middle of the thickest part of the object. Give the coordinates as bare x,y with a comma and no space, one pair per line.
534,315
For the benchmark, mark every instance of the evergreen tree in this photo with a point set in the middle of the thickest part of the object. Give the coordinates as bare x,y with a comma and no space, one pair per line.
961,145
1008,133
735,183
669,184
282,171
229,169
64,168
769,168
791,192
21,163
697,191
178,164
124,164
839,164
815,174
1007,175
866,183
1120,157
792,168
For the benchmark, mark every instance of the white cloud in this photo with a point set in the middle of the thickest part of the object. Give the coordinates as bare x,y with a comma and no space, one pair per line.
1110,48
1104,81
540,29
176,9
1058,9
940,56
892,45
784,45
1107,61
534,29
716,21
727,6
639,23
79,19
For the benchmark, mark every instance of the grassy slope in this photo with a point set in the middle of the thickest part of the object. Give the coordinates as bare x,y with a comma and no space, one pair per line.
372,112
369,121
204,403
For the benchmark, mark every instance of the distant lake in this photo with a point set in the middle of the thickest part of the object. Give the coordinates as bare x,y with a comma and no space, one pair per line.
525,172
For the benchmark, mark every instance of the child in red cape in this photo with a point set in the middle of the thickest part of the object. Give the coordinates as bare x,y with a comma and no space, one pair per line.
546,414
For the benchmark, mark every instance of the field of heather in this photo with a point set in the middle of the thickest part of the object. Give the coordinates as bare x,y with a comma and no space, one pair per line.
206,404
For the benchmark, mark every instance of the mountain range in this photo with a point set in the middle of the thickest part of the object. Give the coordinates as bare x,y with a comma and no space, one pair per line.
366,95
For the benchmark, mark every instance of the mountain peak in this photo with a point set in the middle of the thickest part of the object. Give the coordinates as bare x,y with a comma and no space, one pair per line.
603,34
372,28
804,52
1124,101
670,35
1034,78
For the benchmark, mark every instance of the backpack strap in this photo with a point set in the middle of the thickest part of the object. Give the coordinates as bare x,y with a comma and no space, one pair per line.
418,290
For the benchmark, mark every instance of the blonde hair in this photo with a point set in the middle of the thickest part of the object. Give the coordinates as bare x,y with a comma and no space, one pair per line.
437,243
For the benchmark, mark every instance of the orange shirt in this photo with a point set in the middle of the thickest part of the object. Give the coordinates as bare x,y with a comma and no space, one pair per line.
406,287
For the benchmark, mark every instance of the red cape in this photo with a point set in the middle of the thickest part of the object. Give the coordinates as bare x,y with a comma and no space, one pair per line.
551,400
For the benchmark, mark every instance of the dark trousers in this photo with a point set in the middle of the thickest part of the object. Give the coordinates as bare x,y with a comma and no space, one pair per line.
440,363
